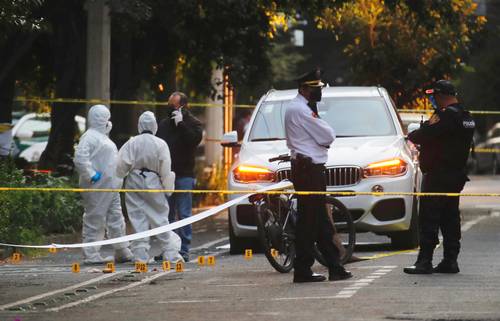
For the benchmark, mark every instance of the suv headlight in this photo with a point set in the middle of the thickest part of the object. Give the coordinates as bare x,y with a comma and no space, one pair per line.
391,167
253,174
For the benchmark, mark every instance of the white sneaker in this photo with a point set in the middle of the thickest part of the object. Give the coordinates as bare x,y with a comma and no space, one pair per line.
98,259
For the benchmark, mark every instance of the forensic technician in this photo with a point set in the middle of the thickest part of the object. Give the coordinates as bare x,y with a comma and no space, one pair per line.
95,161
309,137
445,142
145,161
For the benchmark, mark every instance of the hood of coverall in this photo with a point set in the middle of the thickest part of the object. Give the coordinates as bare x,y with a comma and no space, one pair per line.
98,118
147,122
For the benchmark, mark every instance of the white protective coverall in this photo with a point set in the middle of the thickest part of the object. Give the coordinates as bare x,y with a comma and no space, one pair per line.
145,158
97,153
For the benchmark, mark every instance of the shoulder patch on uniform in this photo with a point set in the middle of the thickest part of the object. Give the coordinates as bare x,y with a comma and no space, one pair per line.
469,123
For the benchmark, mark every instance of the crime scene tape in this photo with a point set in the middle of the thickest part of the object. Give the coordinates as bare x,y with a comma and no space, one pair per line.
120,102
158,230
164,103
274,191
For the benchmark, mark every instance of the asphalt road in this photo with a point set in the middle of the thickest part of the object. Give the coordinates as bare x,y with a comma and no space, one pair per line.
240,289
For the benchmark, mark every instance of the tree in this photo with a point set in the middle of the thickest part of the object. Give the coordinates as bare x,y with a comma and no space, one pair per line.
403,45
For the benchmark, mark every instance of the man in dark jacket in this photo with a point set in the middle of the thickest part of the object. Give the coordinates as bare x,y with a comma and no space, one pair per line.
445,142
182,132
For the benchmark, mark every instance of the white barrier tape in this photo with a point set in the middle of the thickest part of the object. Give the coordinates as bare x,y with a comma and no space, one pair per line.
161,229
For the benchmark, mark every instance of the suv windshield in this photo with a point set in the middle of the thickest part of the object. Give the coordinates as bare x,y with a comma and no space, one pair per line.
349,117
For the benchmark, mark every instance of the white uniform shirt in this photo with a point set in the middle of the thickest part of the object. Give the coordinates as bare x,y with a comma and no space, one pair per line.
146,151
305,133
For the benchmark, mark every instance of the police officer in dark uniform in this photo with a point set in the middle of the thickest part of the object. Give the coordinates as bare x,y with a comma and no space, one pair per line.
445,142
309,138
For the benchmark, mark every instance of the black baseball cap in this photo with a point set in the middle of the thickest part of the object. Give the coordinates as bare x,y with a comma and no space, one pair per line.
311,79
444,87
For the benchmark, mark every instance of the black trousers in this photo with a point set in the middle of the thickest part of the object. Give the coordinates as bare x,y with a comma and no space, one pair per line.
313,224
441,213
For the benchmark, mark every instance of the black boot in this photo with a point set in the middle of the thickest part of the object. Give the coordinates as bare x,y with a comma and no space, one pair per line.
447,266
423,264
313,277
338,273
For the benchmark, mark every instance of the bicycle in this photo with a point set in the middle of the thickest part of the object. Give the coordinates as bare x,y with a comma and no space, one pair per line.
276,218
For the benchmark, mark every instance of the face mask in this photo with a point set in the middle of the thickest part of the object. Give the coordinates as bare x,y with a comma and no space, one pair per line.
315,94
433,102
109,126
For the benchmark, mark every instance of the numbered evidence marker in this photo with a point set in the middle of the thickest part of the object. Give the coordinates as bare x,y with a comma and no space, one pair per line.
141,267
110,268
211,260
75,268
16,257
274,252
179,267
201,260
166,265
248,254
52,250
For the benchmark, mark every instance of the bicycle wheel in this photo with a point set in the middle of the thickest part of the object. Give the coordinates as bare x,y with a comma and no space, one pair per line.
345,232
276,234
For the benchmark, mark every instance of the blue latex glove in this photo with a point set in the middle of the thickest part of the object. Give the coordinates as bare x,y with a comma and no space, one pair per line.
96,177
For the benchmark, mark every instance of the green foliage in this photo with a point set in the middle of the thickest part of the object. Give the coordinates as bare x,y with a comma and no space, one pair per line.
25,216
403,45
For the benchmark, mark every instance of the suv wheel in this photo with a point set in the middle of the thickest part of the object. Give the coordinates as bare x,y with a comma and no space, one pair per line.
408,239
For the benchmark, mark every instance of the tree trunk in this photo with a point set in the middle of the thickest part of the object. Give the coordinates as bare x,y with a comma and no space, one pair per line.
68,22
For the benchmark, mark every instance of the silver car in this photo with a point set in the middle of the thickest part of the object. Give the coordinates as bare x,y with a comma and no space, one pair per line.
370,154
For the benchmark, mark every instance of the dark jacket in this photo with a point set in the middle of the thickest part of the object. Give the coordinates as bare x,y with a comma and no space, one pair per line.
182,141
445,145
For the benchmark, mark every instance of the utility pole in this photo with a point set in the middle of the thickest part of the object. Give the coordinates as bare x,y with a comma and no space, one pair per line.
98,50
214,120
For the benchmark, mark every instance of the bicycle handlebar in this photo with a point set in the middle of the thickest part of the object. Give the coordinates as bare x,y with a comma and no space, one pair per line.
283,158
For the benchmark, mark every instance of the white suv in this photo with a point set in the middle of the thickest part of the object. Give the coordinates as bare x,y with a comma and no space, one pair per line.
370,154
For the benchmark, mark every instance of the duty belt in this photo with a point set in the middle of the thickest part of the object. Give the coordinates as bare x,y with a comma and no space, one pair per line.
147,170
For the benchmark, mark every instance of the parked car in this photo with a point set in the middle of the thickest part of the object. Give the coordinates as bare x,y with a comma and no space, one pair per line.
369,154
487,162
31,134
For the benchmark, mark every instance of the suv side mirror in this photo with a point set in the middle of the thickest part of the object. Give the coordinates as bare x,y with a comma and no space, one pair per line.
230,139
413,126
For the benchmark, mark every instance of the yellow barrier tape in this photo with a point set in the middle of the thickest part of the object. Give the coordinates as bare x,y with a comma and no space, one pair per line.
194,191
486,150
121,102
474,112
164,103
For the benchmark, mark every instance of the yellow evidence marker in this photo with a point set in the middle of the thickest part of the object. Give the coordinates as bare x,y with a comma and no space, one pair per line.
274,253
179,267
166,265
75,268
16,257
111,267
248,254
201,260
52,250
211,260
141,267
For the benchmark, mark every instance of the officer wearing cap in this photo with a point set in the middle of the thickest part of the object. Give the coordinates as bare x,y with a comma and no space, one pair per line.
309,138
445,142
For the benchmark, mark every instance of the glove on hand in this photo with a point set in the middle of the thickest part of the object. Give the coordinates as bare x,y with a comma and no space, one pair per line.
177,116
96,177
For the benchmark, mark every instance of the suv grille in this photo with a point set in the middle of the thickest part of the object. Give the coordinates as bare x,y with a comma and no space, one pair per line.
335,176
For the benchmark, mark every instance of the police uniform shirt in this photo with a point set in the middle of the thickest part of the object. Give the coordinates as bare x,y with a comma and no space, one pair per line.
307,134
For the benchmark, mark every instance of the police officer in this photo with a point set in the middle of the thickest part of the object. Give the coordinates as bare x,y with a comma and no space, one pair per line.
445,142
309,138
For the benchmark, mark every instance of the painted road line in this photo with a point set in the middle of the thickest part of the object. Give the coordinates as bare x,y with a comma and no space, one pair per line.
100,295
210,244
188,301
67,289
233,285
